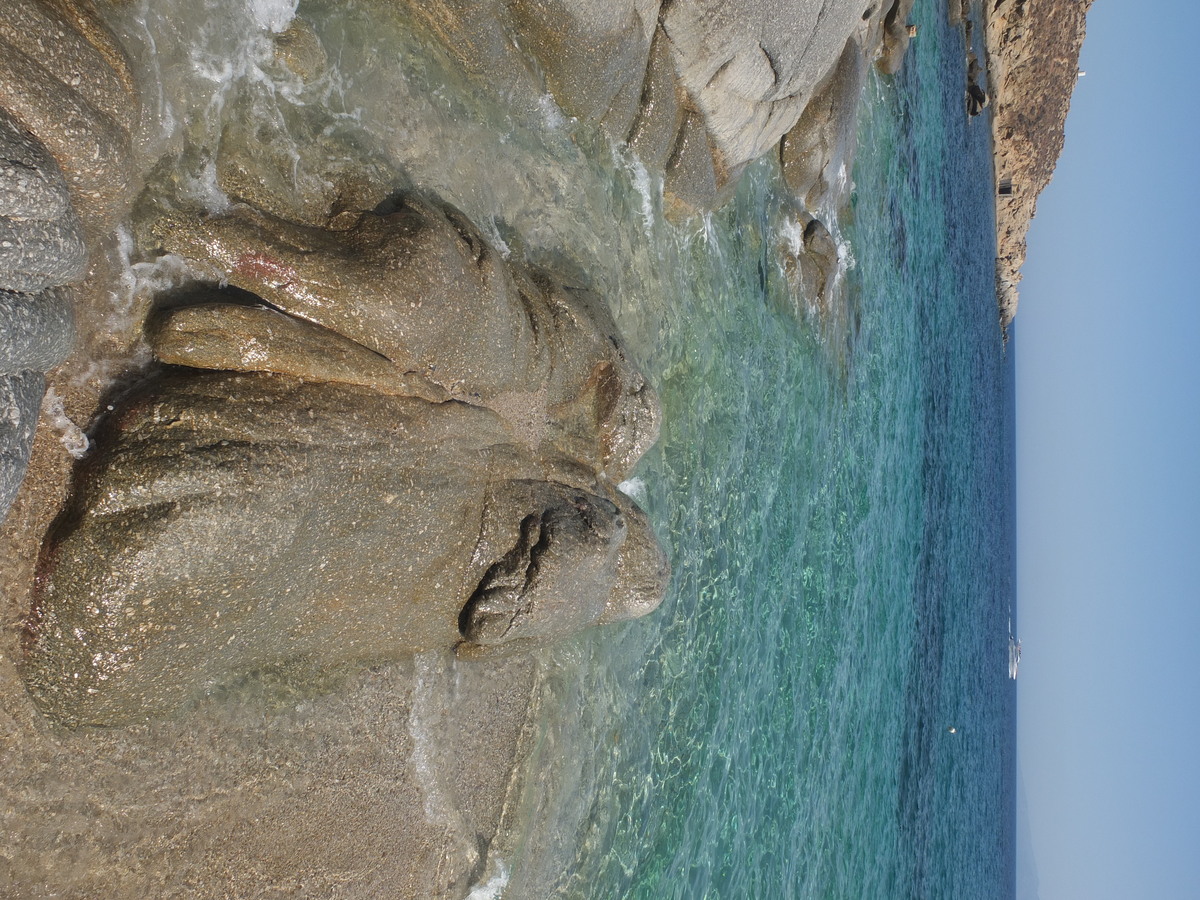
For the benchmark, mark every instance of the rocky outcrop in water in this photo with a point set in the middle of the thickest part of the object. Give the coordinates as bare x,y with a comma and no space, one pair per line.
66,111
1033,64
401,443
699,88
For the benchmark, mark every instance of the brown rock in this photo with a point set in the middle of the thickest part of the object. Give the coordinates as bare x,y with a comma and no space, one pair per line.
1033,64
415,448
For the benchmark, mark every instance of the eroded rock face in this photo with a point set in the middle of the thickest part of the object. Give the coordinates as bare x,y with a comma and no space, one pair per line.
401,443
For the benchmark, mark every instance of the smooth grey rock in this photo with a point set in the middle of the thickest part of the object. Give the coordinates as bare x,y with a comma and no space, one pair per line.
37,331
37,254
751,67
41,240
20,400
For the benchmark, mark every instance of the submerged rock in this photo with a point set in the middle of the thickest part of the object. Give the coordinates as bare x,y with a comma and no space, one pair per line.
404,444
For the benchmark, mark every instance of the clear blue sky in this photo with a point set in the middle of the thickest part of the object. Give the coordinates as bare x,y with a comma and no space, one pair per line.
1107,346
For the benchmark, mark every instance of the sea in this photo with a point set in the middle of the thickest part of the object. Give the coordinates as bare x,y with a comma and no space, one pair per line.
821,707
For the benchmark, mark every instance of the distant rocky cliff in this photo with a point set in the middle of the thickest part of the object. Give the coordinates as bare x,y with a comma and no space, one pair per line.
1033,49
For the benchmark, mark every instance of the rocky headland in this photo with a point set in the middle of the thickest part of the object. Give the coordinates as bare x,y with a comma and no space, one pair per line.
1033,64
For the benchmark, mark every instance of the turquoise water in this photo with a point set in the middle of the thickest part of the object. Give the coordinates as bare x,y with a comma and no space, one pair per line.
835,488
837,499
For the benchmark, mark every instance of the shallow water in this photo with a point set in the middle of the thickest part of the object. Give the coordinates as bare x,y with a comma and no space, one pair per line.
839,508
834,489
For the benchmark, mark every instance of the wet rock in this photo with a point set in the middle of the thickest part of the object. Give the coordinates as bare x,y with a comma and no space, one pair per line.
64,80
257,165
825,129
36,330
811,260
401,443
593,54
699,88
66,112
420,288
896,37
20,399
299,48
690,184
235,522
661,110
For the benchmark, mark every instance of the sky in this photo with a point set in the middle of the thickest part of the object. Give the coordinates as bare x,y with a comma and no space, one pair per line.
1107,343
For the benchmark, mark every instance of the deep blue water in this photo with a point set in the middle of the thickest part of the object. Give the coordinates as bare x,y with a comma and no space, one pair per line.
836,491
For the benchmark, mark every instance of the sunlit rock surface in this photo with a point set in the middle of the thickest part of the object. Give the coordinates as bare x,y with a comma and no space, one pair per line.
421,449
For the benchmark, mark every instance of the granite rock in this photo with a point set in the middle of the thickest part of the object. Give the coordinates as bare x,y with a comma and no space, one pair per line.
231,523
392,441
66,113
824,131
20,400
64,80
36,330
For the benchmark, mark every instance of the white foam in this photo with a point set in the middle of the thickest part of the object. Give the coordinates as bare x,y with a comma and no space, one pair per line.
793,233
552,115
273,15
70,435
493,888
634,488
641,181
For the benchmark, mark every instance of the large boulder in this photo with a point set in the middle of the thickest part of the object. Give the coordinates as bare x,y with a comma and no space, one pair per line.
824,133
751,67
397,442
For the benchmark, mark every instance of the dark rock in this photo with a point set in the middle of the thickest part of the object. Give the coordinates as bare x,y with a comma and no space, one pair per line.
977,100
36,330
20,400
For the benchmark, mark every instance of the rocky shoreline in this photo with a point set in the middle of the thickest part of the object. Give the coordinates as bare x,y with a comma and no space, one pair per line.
393,776
1033,63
